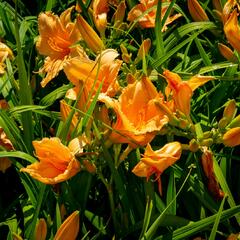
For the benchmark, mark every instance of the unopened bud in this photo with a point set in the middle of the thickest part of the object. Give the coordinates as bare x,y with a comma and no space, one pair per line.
235,122
41,230
207,142
197,12
193,145
232,137
223,123
91,38
230,110
143,50
90,167
119,14
227,53
207,134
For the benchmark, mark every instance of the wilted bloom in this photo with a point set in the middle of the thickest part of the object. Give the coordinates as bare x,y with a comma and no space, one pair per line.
182,91
146,18
69,228
5,52
232,137
197,12
207,163
227,53
56,40
91,38
100,10
89,76
5,163
138,118
232,31
41,230
56,162
155,162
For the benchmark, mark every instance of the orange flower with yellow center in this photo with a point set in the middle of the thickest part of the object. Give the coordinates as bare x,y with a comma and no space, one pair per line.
146,18
56,162
56,40
155,162
138,117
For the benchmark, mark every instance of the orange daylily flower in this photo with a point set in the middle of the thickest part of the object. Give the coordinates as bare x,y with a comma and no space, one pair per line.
146,18
69,228
5,52
87,76
182,91
232,137
56,162
138,118
155,162
100,10
56,40
232,30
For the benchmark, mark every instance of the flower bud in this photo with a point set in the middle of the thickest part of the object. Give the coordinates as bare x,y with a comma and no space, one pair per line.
230,110
193,145
232,137
90,167
91,38
223,123
41,230
143,50
235,122
69,228
119,14
227,53
196,11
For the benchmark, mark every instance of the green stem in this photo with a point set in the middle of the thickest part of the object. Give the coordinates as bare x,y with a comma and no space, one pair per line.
25,93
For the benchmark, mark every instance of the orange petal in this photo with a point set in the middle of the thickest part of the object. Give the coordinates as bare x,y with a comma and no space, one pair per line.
227,53
232,31
41,230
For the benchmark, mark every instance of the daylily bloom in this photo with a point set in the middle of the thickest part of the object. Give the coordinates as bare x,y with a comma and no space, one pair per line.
232,30
5,52
146,18
56,41
232,137
155,162
100,10
89,75
182,91
69,228
138,118
56,162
